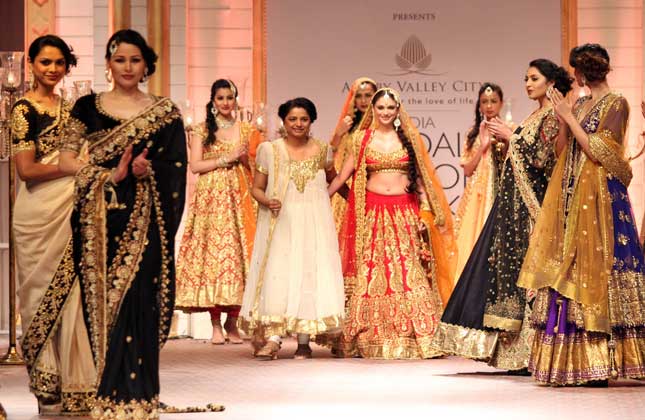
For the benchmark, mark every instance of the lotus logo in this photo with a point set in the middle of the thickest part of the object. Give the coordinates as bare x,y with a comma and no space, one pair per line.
413,58
413,54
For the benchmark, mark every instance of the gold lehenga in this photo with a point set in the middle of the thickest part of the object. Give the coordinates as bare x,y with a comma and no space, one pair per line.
55,341
213,261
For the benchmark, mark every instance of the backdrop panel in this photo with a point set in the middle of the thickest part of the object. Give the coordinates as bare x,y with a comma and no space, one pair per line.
437,53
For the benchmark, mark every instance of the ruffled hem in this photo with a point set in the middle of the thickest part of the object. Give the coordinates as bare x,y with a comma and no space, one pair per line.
283,326
465,342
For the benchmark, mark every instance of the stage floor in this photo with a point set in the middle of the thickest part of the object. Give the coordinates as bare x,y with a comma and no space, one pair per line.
196,373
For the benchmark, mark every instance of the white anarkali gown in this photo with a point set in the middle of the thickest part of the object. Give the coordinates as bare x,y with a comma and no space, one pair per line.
295,282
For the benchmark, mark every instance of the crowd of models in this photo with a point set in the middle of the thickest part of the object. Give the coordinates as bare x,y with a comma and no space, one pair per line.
373,272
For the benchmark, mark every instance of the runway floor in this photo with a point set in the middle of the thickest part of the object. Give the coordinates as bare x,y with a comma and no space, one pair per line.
195,372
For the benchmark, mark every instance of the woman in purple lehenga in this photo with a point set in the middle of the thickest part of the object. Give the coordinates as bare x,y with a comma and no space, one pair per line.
589,312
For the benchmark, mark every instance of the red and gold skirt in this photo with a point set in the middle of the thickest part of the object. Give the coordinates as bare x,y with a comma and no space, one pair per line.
394,309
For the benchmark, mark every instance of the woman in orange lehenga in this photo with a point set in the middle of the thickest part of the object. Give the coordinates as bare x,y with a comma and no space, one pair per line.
402,278
213,260
356,103
481,164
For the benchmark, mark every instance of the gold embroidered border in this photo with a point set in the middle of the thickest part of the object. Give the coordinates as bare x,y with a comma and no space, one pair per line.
105,408
261,169
43,324
609,153
529,131
134,131
506,324
22,146
393,349
465,342
283,326
76,403
165,285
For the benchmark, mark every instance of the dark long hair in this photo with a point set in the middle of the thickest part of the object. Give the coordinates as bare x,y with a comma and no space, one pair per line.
474,132
358,114
554,73
413,172
211,122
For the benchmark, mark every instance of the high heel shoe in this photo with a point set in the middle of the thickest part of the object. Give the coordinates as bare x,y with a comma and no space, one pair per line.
269,351
232,333
218,335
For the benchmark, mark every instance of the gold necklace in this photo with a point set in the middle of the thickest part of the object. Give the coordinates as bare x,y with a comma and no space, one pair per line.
224,123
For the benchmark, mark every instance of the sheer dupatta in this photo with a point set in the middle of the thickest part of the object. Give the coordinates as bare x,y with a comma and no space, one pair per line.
438,220
577,218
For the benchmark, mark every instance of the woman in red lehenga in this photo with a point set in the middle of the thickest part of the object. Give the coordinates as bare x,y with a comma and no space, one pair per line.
216,247
396,203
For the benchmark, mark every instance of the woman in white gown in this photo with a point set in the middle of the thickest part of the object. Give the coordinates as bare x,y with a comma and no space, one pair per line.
295,283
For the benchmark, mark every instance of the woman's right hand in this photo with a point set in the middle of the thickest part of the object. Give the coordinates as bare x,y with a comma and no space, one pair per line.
121,171
238,152
275,206
344,125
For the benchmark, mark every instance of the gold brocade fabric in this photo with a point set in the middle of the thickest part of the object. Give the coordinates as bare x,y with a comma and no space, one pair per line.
213,259
395,308
577,261
579,356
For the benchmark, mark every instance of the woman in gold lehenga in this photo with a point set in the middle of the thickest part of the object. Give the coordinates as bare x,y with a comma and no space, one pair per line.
213,260
126,214
589,313
481,160
402,278
55,342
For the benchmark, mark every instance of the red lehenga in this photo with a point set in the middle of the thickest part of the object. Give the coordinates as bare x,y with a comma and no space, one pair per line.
402,277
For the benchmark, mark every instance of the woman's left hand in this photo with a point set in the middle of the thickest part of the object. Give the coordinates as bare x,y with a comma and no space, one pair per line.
140,165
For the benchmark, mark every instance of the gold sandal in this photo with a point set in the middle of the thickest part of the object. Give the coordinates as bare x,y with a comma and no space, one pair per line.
269,351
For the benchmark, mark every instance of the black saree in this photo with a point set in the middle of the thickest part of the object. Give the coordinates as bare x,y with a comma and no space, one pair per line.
123,238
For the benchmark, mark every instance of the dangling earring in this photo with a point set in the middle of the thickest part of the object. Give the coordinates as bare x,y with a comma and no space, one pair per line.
214,111
584,81
108,75
397,123
145,77
34,82
481,115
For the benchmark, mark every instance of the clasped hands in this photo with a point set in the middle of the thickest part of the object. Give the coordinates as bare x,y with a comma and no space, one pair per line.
140,165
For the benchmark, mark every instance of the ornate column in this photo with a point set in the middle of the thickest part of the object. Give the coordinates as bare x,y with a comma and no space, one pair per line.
259,51
118,15
40,19
159,39
569,16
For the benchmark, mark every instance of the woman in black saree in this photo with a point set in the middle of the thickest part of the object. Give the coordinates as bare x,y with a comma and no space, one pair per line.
125,217
485,316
